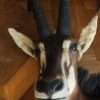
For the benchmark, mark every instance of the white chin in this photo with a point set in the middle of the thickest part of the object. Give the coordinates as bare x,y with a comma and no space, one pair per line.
61,95
55,99
40,95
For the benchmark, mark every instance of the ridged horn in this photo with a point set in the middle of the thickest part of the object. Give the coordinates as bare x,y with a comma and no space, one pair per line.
63,27
42,25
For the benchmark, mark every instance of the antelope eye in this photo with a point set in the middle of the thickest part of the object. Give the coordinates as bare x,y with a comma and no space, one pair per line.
37,52
73,47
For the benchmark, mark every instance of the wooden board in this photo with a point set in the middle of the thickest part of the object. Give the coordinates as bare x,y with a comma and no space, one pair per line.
20,81
17,70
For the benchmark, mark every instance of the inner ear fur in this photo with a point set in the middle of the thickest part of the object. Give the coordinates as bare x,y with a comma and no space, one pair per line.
87,35
23,42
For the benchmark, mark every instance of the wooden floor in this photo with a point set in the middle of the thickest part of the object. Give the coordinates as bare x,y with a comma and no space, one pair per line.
14,14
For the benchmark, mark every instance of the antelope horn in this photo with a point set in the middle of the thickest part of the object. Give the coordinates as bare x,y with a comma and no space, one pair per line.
42,25
63,26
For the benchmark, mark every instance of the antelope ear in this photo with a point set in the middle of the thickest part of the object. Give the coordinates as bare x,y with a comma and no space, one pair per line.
87,36
23,42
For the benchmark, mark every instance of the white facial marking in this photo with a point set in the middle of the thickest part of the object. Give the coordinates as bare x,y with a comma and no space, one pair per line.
65,54
22,41
71,79
42,55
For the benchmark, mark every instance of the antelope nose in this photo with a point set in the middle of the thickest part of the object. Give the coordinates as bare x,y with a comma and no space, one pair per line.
49,87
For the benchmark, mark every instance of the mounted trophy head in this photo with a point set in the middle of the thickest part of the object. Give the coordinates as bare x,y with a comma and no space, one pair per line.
57,54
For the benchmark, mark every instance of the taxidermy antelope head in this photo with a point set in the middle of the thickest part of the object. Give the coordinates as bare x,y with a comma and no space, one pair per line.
58,54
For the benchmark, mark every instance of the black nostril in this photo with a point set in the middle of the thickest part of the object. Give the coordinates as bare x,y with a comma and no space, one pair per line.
40,85
49,87
57,85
